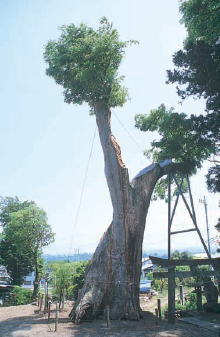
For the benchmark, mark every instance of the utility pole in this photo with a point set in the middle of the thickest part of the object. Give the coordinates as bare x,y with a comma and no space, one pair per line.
204,202
76,254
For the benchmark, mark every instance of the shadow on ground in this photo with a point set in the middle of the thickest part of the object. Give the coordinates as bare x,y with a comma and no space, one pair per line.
25,326
37,326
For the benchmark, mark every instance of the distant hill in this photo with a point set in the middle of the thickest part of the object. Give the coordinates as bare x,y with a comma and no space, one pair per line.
70,258
87,256
163,252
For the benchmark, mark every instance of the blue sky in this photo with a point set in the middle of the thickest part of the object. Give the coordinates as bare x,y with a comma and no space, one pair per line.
46,143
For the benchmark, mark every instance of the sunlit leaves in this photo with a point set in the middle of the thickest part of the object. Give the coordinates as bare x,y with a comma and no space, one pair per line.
179,137
86,61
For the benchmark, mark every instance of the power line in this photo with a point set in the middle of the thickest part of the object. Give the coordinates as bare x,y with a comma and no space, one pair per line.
129,134
82,191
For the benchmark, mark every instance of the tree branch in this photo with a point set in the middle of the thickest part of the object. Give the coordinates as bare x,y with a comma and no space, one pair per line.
147,178
214,161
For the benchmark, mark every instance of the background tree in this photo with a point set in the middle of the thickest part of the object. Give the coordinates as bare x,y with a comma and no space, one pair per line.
197,70
17,260
160,284
9,205
25,233
177,255
62,280
213,179
68,278
179,138
79,278
85,62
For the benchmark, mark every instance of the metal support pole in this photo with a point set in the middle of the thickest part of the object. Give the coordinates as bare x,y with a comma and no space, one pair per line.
195,222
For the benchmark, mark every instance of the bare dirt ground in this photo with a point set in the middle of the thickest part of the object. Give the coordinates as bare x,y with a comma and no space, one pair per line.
26,321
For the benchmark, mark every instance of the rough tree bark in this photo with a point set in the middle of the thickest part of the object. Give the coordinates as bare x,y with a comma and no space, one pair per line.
113,275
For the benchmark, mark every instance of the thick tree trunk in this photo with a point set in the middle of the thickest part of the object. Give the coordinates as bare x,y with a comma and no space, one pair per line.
113,275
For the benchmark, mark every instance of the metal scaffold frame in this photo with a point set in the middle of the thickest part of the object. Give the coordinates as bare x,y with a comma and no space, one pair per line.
169,263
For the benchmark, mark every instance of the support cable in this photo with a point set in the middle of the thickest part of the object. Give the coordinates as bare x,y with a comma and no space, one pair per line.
82,192
129,134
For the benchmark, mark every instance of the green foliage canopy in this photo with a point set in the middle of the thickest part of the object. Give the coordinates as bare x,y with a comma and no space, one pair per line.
213,179
193,139
180,138
197,69
183,139
197,73
201,19
86,61
9,205
197,65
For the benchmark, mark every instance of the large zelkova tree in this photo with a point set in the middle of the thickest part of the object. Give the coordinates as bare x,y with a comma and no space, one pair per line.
197,72
85,62
24,234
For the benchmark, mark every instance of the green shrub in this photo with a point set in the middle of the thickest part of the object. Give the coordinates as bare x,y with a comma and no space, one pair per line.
19,296
68,278
190,304
78,278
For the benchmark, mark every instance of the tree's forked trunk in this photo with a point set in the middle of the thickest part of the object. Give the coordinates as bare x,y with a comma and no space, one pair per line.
113,275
